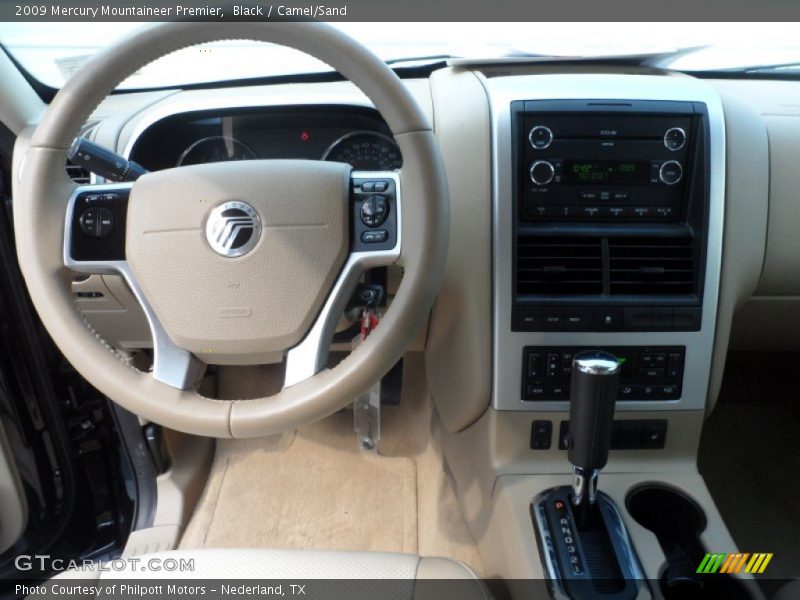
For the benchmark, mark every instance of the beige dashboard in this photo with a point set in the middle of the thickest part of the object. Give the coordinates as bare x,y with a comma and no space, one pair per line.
759,289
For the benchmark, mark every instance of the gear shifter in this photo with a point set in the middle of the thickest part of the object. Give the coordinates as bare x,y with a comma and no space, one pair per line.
595,375
583,541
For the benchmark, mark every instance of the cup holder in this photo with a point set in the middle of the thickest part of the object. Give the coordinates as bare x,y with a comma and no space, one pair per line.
677,522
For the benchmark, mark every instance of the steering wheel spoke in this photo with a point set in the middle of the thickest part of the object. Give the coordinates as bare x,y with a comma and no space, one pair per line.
376,212
94,243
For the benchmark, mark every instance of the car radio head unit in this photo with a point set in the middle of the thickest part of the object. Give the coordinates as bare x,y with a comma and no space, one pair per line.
605,162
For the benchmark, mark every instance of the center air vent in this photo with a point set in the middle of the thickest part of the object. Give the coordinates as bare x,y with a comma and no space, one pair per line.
559,266
553,266
651,266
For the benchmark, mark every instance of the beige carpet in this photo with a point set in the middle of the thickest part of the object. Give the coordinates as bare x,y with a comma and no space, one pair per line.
315,489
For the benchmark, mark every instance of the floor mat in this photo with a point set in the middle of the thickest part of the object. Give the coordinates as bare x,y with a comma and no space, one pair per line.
750,458
315,489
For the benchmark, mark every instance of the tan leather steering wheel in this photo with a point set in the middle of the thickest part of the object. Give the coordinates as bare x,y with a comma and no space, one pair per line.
234,263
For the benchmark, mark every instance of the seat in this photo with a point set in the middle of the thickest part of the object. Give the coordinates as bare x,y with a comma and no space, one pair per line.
358,574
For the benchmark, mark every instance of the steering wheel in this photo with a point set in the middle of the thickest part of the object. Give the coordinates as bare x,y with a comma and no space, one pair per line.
234,263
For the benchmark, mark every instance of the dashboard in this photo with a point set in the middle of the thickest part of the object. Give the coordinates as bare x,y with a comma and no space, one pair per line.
734,178
353,135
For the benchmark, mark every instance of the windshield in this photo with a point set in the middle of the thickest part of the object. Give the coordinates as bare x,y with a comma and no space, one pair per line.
52,52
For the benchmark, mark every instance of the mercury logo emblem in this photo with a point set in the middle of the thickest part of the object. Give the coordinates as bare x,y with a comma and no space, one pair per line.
233,229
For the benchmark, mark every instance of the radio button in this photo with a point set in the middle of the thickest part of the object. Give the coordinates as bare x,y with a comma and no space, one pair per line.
675,139
621,195
615,212
542,172
587,195
540,137
538,210
605,196
642,212
663,212
670,172
590,212
567,211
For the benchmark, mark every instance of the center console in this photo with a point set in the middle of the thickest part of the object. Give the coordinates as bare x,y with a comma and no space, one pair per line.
608,209
608,206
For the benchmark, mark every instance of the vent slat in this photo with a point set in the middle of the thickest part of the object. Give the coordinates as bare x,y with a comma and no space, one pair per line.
651,266
559,266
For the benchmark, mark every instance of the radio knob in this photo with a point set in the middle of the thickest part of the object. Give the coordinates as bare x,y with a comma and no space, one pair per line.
542,172
540,137
670,172
675,139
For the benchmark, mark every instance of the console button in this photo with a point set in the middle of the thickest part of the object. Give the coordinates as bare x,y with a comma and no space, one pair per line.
542,172
674,365
535,370
653,360
553,364
670,172
537,210
587,195
375,237
527,318
668,392
374,211
566,211
381,186
637,319
368,186
642,212
535,391
557,392
661,318
97,222
576,319
590,212
621,195
686,318
540,137
607,319
663,212
566,364
614,212
625,392
675,138
552,319
541,435
654,434
652,373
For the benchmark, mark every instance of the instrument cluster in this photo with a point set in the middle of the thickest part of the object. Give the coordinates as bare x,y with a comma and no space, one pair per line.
353,135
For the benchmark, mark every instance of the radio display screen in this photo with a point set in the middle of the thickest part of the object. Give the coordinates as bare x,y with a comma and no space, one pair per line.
606,171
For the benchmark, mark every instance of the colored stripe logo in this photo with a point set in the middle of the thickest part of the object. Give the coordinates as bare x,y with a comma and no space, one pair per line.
754,563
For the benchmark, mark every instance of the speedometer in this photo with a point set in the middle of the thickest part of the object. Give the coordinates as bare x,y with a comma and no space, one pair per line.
217,148
366,151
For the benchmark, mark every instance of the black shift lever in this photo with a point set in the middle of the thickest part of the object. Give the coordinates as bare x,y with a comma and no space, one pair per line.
595,375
